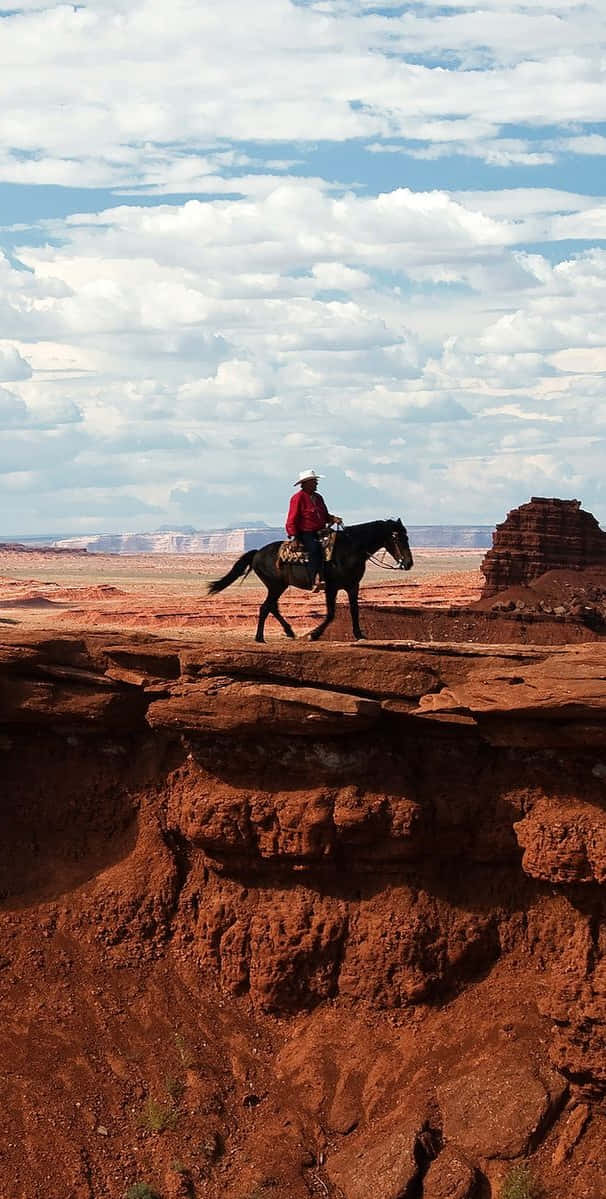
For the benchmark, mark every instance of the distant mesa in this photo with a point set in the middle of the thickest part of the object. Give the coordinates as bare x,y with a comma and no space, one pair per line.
540,536
238,540
172,541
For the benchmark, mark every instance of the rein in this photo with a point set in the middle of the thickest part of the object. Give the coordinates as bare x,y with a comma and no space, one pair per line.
383,565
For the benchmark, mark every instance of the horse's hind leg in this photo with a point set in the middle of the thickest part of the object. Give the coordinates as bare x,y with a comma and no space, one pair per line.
331,601
278,615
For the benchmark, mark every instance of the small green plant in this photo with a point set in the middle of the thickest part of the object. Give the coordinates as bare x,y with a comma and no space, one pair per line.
141,1190
186,1056
519,1184
157,1117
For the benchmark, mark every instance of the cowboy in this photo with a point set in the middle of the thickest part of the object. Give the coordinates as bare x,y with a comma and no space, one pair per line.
307,514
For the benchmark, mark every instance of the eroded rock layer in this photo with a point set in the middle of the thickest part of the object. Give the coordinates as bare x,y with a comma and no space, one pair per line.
543,535
322,920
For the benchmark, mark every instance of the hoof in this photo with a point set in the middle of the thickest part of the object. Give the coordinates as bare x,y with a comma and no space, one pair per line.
359,637
260,640
291,636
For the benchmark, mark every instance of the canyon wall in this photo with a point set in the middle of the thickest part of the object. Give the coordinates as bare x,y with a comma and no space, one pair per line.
313,920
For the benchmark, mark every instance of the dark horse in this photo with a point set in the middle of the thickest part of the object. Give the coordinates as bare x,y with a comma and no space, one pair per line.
353,547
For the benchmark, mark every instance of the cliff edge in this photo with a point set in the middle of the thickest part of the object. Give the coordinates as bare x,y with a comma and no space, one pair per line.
316,920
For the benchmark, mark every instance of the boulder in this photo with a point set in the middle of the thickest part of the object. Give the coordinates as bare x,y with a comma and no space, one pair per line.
500,1105
381,1160
564,842
450,1176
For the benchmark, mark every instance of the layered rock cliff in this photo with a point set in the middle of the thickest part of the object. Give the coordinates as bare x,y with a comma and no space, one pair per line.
322,920
543,535
172,541
237,541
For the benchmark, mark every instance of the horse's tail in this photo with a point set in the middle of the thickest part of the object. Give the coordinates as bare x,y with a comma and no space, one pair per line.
240,569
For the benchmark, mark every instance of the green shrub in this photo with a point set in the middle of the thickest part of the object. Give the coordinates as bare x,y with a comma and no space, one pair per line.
157,1117
141,1190
519,1184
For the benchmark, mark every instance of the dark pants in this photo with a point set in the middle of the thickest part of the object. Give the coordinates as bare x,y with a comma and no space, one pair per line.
315,553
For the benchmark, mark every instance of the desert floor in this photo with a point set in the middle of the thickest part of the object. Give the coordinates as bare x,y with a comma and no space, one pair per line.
167,593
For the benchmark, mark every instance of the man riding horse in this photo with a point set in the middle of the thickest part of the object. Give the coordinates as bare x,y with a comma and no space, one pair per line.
350,553
307,515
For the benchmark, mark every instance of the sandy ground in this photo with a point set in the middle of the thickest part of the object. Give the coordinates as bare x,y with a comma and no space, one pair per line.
167,593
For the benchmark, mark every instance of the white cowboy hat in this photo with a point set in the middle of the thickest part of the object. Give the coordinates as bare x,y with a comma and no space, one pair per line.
306,474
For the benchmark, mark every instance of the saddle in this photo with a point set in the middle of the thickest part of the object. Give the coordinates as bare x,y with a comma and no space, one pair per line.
291,552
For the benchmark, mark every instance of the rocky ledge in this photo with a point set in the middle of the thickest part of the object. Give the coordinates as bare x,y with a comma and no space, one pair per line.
385,862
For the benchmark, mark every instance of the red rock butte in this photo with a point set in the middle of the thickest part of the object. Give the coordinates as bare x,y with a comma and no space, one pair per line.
543,535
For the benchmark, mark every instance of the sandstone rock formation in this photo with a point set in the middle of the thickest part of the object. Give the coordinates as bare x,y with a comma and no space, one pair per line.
238,959
543,535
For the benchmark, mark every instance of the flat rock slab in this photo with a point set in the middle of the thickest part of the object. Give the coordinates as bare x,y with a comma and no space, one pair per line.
378,674
516,1102
23,701
228,705
562,687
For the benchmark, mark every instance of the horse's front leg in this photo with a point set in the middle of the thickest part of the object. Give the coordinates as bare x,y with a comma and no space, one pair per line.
264,611
331,603
354,608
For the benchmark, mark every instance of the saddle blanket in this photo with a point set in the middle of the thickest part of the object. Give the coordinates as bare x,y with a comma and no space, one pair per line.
293,551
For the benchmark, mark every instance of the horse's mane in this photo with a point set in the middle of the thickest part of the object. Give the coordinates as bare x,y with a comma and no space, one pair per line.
367,524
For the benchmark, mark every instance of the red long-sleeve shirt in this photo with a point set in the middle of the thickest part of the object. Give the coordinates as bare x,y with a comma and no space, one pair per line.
306,514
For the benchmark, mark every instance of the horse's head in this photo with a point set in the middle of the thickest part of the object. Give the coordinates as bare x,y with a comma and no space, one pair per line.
396,543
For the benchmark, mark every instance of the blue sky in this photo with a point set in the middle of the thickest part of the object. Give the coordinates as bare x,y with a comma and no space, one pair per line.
239,241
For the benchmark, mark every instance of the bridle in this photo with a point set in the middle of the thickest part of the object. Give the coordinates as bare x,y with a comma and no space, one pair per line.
383,565
376,561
